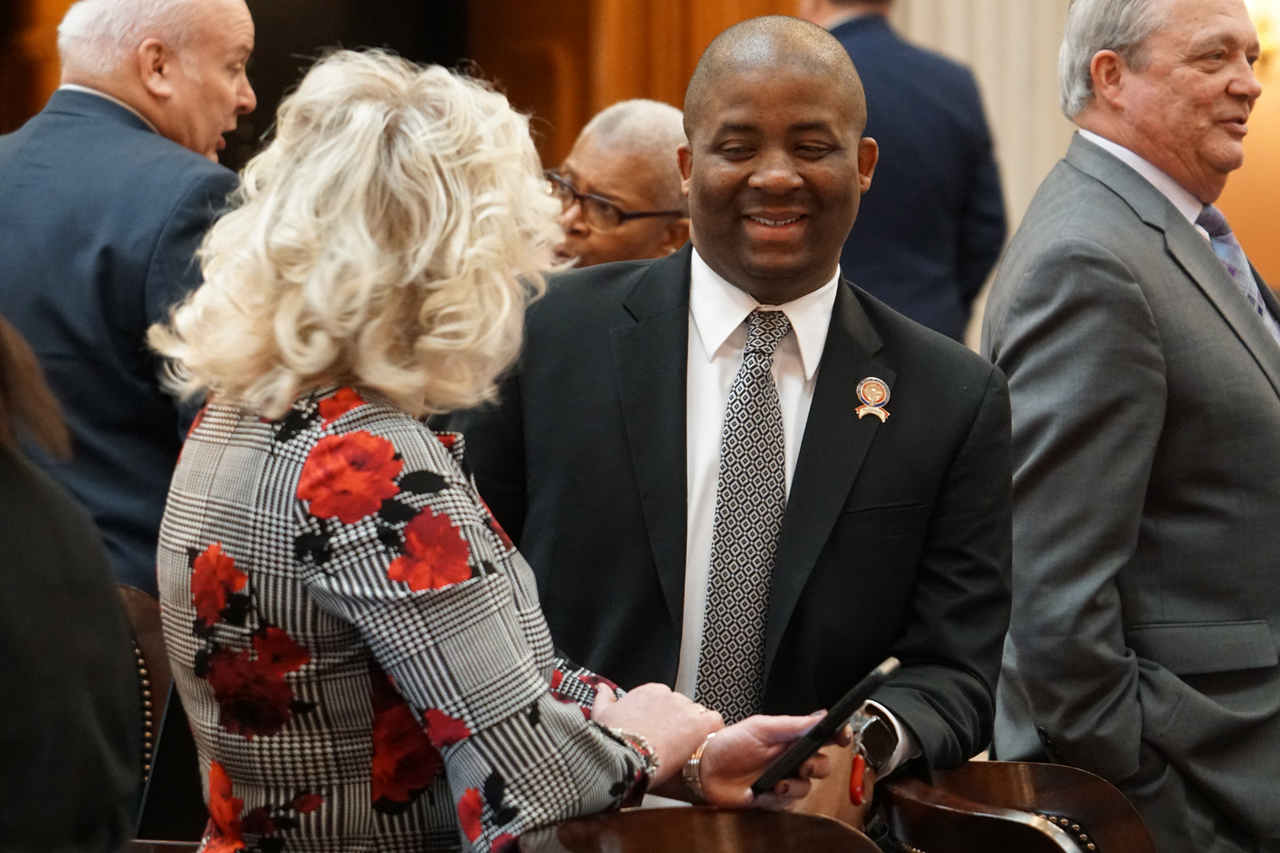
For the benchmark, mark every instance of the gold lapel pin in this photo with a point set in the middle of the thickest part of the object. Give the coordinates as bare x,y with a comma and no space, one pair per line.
874,394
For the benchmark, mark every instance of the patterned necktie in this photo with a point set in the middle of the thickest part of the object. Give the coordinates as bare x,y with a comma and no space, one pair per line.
1228,249
751,497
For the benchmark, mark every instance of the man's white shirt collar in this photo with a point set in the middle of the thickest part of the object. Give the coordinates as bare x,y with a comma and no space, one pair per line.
718,309
75,87
1181,198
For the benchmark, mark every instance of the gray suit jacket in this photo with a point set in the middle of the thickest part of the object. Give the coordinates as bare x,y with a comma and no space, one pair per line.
1146,585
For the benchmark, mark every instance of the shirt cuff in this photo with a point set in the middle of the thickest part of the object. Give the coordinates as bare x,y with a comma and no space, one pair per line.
907,747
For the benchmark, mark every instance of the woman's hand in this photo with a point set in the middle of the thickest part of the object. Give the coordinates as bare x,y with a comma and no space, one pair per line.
673,724
740,754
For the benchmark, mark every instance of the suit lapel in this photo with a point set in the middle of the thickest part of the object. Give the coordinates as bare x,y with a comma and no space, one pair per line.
1268,295
835,444
1204,267
1188,248
650,363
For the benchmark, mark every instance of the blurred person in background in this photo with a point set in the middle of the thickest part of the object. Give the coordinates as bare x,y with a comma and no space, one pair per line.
620,186
359,647
104,197
934,225
70,700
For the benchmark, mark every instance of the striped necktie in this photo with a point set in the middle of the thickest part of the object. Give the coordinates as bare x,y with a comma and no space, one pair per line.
1228,249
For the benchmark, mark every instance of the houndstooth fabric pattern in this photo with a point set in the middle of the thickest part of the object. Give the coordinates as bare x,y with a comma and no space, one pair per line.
1231,253
751,497
359,647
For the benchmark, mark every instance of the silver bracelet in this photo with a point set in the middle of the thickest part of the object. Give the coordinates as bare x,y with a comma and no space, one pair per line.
692,772
639,744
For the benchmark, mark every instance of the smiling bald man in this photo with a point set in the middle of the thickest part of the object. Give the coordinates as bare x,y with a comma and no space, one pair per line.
736,473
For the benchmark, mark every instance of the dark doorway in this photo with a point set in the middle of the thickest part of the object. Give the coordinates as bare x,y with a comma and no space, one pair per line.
291,34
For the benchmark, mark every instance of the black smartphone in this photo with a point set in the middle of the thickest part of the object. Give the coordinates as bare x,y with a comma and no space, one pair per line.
837,718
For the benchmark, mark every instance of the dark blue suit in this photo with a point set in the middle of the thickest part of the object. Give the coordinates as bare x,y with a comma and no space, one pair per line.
100,218
932,225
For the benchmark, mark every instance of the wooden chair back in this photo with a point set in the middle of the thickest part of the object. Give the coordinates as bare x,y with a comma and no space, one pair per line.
928,819
154,673
1073,799
698,830
1003,805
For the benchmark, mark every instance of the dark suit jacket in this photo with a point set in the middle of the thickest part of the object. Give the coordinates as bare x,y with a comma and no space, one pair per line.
895,539
99,222
70,702
933,224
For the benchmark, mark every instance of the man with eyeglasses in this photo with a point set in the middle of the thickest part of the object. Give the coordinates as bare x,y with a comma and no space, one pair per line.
620,186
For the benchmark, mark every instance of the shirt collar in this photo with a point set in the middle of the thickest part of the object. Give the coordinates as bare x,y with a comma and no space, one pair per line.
718,309
75,87
1181,198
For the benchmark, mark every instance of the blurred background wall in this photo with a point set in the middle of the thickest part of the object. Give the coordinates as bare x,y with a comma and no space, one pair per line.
563,60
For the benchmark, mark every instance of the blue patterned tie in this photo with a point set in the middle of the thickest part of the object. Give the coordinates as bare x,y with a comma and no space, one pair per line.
1228,249
751,497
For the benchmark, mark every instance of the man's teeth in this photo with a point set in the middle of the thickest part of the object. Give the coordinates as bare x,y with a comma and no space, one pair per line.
775,222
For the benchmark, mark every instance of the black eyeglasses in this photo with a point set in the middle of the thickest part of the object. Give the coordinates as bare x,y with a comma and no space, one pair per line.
598,211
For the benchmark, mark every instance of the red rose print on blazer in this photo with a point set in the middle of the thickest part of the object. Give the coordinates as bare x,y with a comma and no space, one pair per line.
349,476
444,730
332,408
251,692
435,554
223,834
470,807
214,579
404,760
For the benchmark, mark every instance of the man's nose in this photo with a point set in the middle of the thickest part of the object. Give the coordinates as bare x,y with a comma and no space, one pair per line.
246,101
1246,84
776,173
572,220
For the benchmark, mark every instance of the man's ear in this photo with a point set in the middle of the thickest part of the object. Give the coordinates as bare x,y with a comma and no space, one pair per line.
155,68
677,235
1107,71
868,156
684,158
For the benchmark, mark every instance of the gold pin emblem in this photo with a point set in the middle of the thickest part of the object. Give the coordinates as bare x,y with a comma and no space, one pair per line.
874,394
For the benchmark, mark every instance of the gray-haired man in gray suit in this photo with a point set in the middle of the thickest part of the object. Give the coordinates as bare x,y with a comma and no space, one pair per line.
1143,357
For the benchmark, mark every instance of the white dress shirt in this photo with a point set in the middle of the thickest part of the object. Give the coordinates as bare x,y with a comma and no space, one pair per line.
717,337
1181,198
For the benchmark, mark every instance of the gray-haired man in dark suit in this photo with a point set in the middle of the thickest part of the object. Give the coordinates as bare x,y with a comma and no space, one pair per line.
104,198
1143,356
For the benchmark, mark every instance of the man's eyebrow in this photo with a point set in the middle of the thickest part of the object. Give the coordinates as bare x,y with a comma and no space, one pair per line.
801,127
1204,44
810,125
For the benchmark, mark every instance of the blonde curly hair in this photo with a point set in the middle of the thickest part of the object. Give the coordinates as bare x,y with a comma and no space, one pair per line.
389,237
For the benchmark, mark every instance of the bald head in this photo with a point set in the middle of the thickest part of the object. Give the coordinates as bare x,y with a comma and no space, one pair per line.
763,44
650,130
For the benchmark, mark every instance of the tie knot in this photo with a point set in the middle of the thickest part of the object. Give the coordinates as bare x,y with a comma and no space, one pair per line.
765,330
1212,220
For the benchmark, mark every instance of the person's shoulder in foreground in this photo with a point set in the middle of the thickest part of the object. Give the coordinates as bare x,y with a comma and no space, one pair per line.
71,720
